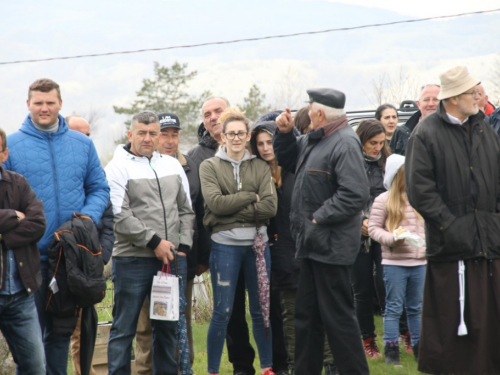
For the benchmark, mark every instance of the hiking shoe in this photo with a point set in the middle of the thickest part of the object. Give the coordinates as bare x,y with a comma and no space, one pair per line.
406,340
331,369
392,354
371,348
268,372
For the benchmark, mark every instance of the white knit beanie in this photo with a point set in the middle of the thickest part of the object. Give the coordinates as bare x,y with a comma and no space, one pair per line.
392,165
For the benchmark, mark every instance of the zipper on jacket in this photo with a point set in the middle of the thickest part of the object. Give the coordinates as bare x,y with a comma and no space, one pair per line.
56,192
161,199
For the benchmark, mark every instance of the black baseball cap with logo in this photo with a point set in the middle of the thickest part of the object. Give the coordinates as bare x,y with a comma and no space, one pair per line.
169,120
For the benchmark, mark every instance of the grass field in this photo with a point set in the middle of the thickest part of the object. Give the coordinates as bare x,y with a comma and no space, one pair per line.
377,366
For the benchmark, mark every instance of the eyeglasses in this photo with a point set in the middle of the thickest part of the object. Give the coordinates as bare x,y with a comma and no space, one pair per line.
473,93
240,135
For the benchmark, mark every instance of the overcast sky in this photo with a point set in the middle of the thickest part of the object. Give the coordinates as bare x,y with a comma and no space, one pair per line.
348,60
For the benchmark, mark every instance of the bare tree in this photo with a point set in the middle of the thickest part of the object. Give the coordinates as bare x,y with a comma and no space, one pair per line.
394,89
494,89
93,116
290,89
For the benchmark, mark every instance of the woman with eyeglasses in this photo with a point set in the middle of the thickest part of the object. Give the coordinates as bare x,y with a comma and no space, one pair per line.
232,182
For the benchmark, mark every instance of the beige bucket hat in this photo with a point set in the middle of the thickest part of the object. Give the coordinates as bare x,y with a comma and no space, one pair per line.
456,81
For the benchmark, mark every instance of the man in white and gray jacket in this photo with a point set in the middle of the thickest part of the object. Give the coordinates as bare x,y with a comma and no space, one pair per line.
153,216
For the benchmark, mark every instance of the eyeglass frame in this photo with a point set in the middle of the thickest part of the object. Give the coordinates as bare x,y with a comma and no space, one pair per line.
232,136
473,93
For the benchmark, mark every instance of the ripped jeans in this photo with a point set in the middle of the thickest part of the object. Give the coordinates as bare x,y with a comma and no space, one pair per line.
225,264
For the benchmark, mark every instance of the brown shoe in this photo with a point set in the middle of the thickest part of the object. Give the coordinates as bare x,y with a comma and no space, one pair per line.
371,348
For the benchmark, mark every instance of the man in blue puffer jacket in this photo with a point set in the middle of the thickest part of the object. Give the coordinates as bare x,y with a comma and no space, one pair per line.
64,170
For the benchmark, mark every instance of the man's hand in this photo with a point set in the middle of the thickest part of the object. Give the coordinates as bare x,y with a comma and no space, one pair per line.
364,228
163,251
20,215
200,269
285,121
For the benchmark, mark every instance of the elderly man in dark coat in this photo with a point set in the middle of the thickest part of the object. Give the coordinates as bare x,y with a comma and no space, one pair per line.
453,181
331,189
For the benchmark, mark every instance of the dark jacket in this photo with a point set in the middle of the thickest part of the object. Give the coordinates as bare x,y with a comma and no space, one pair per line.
375,176
399,140
285,268
106,232
494,120
20,236
191,170
330,186
452,180
206,148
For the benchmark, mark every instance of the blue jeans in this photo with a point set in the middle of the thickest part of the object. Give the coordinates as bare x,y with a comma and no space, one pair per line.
20,327
404,287
133,278
56,346
225,264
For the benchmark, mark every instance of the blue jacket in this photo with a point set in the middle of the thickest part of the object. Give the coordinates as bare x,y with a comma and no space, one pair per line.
64,171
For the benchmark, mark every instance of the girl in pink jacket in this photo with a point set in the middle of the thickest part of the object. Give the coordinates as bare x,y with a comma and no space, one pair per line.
404,265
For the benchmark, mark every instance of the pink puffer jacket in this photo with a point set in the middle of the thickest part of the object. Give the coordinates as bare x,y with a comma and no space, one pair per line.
379,233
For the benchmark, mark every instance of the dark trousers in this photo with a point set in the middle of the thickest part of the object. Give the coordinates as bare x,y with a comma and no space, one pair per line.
280,357
240,352
324,304
368,283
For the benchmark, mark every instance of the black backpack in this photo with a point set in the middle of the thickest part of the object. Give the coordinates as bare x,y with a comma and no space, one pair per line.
76,263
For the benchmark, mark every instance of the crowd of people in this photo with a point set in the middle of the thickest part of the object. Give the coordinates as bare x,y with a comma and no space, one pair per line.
321,224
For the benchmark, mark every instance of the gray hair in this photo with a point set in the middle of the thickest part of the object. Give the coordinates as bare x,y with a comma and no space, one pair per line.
212,97
145,117
331,114
428,85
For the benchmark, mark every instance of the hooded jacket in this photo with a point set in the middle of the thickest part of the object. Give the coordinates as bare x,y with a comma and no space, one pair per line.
285,267
206,146
331,187
453,181
64,171
151,202
230,191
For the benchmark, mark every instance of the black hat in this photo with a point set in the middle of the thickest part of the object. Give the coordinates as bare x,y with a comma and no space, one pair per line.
169,120
329,97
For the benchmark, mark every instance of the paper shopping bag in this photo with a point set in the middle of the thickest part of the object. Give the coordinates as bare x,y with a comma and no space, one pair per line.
164,301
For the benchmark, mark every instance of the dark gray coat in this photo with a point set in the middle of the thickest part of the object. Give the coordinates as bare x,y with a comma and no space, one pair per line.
452,180
330,186
399,140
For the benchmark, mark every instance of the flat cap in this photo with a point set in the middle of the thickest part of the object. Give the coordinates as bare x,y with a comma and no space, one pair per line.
329,97
169,120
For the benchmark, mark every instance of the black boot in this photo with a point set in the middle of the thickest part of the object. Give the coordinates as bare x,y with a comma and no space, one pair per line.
415,350
392,354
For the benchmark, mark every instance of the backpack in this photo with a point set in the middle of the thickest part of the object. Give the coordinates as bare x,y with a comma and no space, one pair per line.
75,268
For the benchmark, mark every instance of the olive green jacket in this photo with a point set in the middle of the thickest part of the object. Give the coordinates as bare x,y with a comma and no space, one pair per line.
229,194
